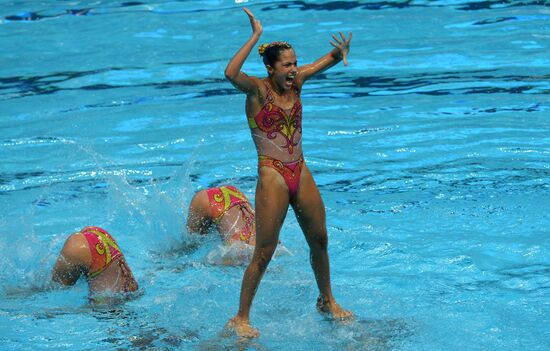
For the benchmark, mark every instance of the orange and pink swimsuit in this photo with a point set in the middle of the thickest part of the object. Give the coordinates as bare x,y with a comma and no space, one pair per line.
275,122
224,198
104,250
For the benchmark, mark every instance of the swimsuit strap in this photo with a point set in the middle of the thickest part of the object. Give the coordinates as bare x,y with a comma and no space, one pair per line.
130,284
296,90
268,94
249,229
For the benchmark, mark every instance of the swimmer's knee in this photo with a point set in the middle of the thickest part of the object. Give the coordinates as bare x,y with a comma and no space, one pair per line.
319,241
263,256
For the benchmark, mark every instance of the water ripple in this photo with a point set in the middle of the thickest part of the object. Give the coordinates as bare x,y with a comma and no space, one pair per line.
446,83
174,7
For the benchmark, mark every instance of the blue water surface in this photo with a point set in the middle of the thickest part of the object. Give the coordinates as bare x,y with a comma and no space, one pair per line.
431,151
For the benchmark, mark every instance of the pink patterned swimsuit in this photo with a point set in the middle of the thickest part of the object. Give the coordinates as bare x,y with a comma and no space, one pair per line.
224,198
275,123
105,251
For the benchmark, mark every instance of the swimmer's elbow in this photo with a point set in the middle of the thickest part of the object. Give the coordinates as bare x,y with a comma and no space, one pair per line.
230,75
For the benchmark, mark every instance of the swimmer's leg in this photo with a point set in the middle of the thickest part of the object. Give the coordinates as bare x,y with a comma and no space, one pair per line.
198,218
271,208
310,212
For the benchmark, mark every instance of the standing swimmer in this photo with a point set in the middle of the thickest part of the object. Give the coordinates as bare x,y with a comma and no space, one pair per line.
274,113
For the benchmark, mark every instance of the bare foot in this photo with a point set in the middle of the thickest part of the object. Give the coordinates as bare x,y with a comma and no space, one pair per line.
333,309
242,328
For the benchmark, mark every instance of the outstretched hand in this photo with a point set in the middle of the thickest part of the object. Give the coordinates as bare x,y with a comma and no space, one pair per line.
342,45
254,23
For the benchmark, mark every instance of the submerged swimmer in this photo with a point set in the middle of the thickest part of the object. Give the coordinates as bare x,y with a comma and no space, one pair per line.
94,253
274,113
228,209
232,214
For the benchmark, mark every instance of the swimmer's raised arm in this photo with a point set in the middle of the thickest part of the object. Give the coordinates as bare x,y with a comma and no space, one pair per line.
73,260
233,72
339,53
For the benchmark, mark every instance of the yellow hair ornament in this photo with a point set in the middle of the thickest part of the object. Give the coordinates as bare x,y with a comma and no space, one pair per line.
262,47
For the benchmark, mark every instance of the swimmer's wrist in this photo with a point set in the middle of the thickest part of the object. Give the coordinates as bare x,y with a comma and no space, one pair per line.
337,54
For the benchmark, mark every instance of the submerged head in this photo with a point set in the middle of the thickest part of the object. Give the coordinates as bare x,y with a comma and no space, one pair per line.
280,60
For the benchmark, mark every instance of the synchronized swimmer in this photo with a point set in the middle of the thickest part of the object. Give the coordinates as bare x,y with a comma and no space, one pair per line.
274,112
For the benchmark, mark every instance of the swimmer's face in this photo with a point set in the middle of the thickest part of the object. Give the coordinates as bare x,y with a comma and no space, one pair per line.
284,71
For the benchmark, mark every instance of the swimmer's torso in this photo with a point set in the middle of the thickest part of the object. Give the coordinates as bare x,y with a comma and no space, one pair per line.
276,132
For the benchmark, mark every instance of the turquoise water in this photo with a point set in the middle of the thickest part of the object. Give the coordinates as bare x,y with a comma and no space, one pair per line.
431,151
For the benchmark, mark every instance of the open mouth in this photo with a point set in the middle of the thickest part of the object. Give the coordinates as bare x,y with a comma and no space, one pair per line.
290,79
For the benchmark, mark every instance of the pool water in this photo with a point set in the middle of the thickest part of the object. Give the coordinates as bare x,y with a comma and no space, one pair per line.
431,151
